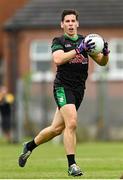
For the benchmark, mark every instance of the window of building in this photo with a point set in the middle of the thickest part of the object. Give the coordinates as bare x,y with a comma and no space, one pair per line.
40,55
114,69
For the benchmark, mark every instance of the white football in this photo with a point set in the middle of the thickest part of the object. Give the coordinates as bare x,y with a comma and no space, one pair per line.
99,43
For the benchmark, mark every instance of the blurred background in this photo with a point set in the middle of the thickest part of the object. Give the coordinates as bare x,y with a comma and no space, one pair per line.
27,28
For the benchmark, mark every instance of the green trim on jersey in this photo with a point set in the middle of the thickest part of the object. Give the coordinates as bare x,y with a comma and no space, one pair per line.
71,38
60,93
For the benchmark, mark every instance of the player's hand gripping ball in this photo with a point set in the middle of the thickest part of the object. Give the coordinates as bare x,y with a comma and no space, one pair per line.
98,43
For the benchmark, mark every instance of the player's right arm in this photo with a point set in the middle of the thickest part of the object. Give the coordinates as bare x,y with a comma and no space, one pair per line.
60,57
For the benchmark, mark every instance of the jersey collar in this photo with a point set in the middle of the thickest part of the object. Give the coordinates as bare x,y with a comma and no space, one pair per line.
71,38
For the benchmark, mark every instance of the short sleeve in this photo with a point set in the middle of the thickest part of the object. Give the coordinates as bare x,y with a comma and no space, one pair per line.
56,45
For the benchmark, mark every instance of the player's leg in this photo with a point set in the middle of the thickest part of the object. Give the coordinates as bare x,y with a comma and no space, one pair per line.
52,131
69,114
68,103
70,117
45,135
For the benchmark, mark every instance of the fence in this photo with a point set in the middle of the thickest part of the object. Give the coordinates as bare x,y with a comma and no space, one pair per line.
99,118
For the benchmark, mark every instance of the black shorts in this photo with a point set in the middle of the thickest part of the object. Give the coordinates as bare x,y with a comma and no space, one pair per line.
65,95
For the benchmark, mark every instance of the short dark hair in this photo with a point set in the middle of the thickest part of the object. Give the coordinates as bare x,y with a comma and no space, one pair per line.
68,12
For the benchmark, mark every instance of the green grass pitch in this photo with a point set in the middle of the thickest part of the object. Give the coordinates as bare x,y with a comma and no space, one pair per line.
102,160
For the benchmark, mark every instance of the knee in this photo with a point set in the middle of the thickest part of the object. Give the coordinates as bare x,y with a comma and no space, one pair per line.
72,125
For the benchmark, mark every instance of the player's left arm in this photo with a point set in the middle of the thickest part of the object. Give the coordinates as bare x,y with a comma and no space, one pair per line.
102,58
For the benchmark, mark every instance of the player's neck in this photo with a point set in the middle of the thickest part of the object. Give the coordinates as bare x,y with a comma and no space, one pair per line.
73,37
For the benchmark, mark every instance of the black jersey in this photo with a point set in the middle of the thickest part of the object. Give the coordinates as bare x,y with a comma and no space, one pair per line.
74,73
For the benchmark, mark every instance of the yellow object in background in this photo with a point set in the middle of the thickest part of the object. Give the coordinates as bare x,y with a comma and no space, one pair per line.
9,98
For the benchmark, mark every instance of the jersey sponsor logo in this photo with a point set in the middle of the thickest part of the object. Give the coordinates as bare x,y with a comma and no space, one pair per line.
68,45
79,59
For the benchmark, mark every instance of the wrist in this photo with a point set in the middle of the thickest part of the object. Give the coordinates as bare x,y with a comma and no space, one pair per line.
77,51
106,53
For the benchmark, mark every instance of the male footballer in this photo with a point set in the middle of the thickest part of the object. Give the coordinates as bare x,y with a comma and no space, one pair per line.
70,54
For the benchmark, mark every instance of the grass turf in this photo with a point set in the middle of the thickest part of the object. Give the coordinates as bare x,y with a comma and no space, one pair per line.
102,160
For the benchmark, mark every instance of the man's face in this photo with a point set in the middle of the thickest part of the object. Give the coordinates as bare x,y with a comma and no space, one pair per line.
70,25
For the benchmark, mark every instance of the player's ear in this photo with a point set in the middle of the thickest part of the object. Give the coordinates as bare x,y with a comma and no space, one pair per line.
61,24
77,23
